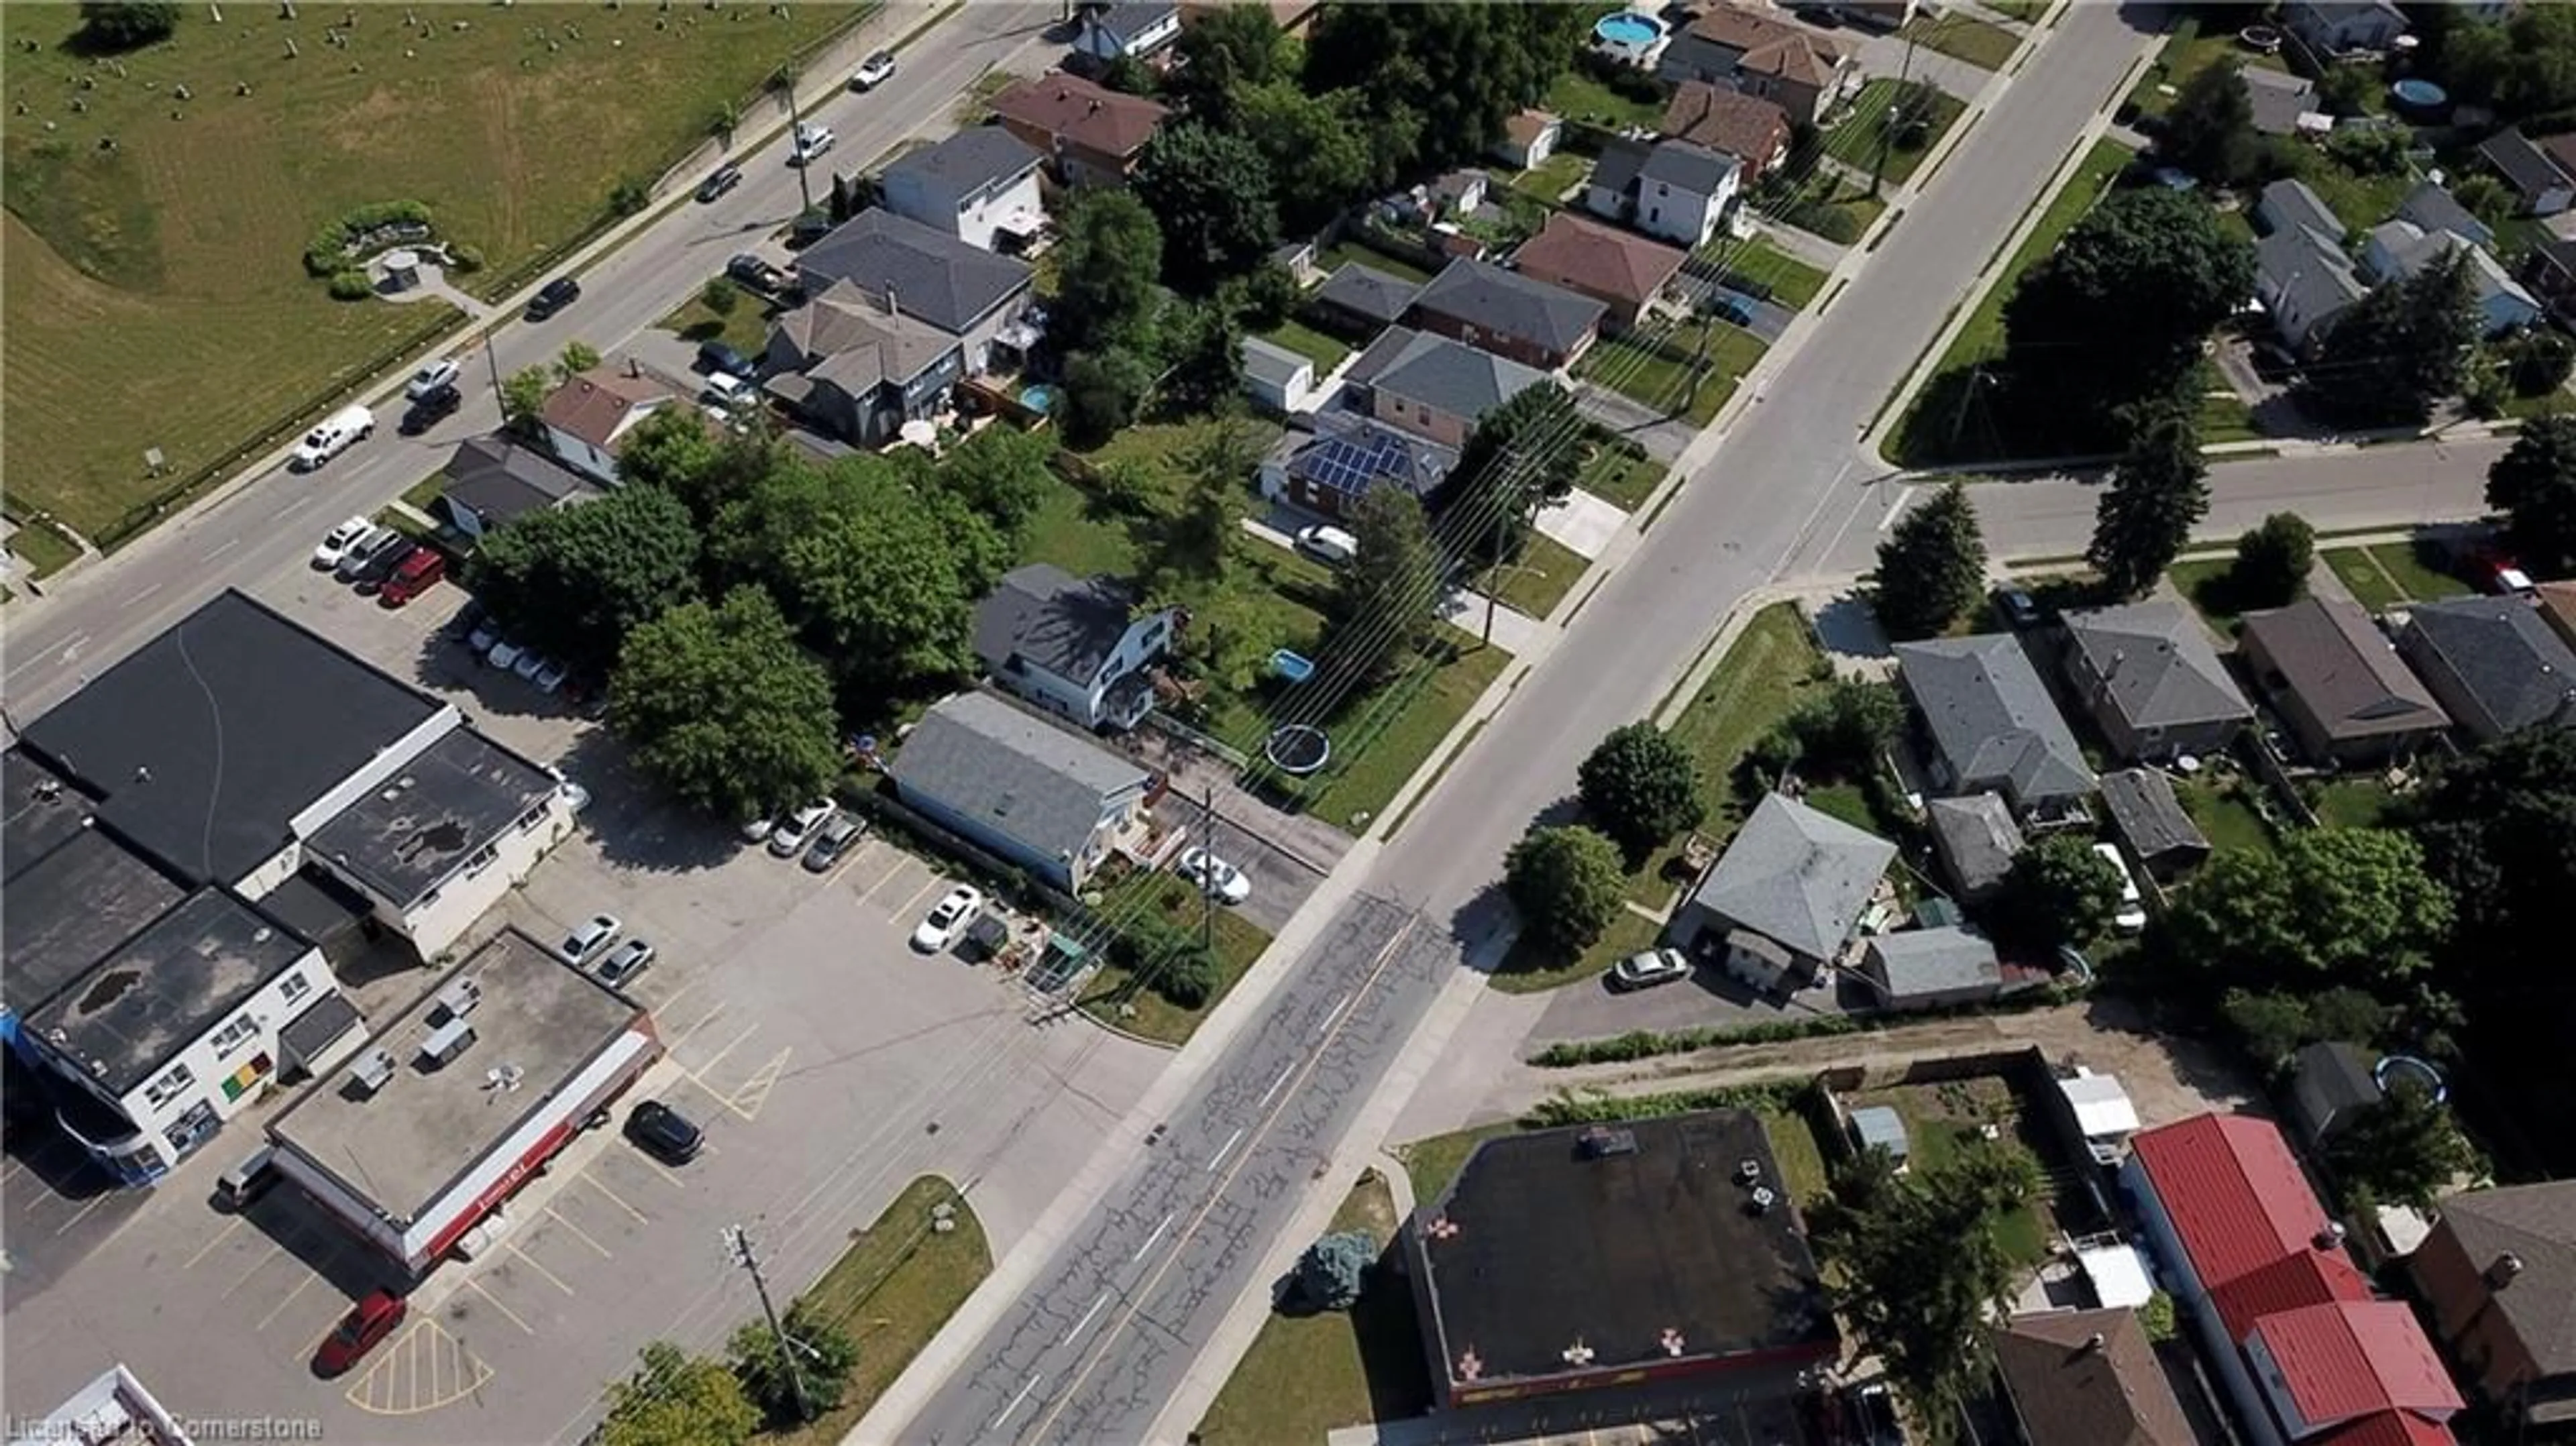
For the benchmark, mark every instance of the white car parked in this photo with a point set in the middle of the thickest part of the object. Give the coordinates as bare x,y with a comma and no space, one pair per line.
440,373
2132,915
948,919
335,545
585,942
797,829
874,71
1214,876
1329,545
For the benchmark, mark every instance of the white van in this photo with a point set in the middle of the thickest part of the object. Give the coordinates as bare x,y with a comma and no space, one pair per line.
332,437
727,392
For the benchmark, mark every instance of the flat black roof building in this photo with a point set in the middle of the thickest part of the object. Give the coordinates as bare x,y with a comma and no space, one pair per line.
169,985
206,741
411,832
70,907
1562,1256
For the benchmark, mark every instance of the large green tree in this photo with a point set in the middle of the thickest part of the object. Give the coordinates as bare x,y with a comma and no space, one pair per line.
1387,598
1567,884
1317,146
1002,474
1202,357
723,706
1223,51
2209,131
2157,493
1193,546
2399,351
678,1400
1440,80
1522,455
2534,485
1109,269
107,25
1640,787
1209,190
817,1364
2402,1148
2059,891
1932,568
2272,562
2330,906
573,582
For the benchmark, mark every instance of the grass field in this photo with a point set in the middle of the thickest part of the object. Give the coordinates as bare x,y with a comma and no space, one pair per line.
1660,379
1940,1118
1434,1162
745,328
1856,141
1332,259
1387,736
2187,52
1532,969
892,1290
2207,583
1238,944
1550,179
2414,576
1793,282
1546,572
170,266
1576,95
2225,817
1326,352
1964,37
2351,802
2370,587
1619,479
2388,574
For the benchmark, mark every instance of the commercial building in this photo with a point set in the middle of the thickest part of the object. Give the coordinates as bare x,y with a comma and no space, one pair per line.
112,1410
428,1131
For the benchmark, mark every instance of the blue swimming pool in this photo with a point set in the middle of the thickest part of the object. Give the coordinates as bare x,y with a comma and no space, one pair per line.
1629,29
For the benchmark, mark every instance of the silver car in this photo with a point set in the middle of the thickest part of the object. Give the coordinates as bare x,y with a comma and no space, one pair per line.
833,841
631,959
1653,967
585,942
363,551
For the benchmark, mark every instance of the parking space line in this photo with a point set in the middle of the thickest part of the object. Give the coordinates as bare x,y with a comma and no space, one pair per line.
753,1092
677,995
602,1187
209,1247
533,1264
748,1031
274,1311
274,1251
684,1035
82,1213
476,1286
900,859
676,1182
915,901
723,1100
584,1234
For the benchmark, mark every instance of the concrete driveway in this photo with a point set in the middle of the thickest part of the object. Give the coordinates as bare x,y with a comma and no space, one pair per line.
1592,1009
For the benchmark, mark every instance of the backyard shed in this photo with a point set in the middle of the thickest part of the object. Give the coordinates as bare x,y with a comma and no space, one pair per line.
1878,1127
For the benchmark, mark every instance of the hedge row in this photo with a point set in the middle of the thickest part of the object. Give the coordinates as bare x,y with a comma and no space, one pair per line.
1639,1044
328,254
1568,1108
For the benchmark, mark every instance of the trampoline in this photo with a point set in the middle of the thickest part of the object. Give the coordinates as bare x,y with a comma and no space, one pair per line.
1297,749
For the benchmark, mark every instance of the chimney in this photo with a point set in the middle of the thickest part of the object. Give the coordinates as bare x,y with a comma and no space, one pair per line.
2329,1238
893,306
2501,1274
1095,107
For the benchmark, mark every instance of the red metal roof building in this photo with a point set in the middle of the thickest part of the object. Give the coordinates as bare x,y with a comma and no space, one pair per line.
2311,1277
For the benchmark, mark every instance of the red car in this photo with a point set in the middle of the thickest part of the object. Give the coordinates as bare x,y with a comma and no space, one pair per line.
2500,574
367,1323
417,574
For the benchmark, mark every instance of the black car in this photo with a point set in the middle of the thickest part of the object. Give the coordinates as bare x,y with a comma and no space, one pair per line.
431,409
727,177
561,292
664,1133
715,358
382,565
755,273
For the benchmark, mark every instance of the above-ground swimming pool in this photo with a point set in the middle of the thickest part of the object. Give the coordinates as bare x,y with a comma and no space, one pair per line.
2418,97
1628,35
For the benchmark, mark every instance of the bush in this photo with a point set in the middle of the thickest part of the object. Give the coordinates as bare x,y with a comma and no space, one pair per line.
2272,561
107,26
351,285
464,260
629,197
2537,360
327,254
2369,150
720,295
1187,978
1569,1108
1831,222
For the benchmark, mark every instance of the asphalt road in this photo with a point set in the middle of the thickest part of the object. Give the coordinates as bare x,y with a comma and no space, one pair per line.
105,611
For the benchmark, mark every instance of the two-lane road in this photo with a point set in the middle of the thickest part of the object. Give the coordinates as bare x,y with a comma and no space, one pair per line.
103,612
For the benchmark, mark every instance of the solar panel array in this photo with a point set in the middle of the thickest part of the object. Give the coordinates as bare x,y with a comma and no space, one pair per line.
1356,461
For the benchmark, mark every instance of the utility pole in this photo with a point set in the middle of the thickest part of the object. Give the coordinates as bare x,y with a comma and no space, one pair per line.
739,1242
1887,126
1968,395
796,140
1207,876
500,398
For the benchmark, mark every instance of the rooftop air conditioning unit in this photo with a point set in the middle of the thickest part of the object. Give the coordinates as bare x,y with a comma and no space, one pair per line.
459,997
446,1042
373,1069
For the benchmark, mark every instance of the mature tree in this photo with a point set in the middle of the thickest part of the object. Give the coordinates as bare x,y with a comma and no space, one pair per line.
2537,360
576,357
1128,75
2272,1025
575,581
2272,561
1839,731
523,396
1640,787
1102,391
1199,539
109,26
1386,600
1002,474
1439,80
1109,268
2498,828
876,583
1209,190
2348,90
2534,485
2397,352
1931,569
1523,454
1332,1272
2402,1148
2210,129
725,709
1203,357
677,1400
675,450
1220,53
2059,891
2146,515
2339,905
1317,146
1567,883
819,1361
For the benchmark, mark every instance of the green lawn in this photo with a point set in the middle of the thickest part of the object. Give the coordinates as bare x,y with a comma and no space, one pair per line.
1073,531
2359,199
892,1290
745,328
1532,969
1619,477
1546,572
1577,96
1858,140
1658,378
2413,576
1793,282
2350,802
1802,1160
1112,992
1324,351
2208,584
1332,259
1939,1119
1306,1375
1434,1162
2186,53
2361,575
2224,816
42,549
1380,741
1964,37
1550,179
169,267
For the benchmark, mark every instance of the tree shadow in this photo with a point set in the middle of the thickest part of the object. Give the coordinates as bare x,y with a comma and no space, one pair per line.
635,824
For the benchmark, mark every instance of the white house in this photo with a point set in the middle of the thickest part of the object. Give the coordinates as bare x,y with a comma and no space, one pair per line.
2402,248
1112,28
1671,189
970,186
1529,138
1073,646
587,417
2333,27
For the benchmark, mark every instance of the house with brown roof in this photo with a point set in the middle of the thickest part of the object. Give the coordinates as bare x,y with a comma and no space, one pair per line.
1093,134
1753,130
2339,683
2499,1273
1764,55
587,418
1619,269
2087,1378
2558,607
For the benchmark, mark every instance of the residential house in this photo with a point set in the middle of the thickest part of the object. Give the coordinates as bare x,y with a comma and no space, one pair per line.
1621,270
1275,377
1108,30
2152,823
2494,664
2278,98
1753,130
1361,300
2331,1081
587,418
2400,248
2288,1323
2334,27
2549,269
1993,726
2541,173
1347,457
1092,133
1931,968
493,479
1761,54
1032,794
1786,896
1672,189
2087,1378
2499,1274
2339,683
1431,386
857,370
1075,646
1509,314
2153,681
971,294
2434,209
2557,603
2301,274
1529,138
979,185
1976,838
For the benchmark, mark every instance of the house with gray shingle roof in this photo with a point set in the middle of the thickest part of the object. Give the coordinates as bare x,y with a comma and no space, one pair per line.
2538,173
2149,818
1432,386
2151,678
2340,683
1674,189
2301,274
1035,795
1976,837
977,182
1993,725
1508,314
2436,209
2278,98
856,369
2499,1273
905,266
1363,300
1931,968
1076,646
1798,878
2493,662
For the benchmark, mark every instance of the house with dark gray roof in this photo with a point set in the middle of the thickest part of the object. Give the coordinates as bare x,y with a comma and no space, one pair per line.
1347,456
2151,821
902,265
2278,98
1509,314
1111,29
491,480
1075,646
2499,1274
2494,663
1362,300
1992,724
1432,386
2329,1082
2301,274
2433,208
2153,681
2538,174
978,185
856,368
2339,683
1031,793
1793,876
1275,376
1931,968
1976,838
